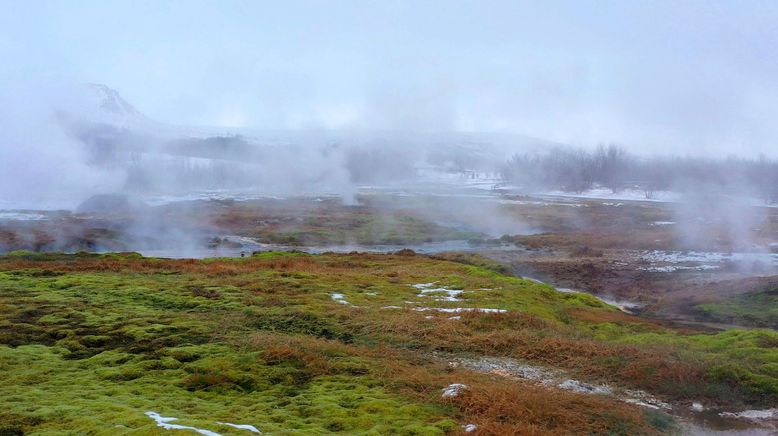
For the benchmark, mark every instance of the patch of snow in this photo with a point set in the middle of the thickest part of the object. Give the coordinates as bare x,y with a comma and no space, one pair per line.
22,216
340,298
673,268
459,309
663,223
453,390
584,388
250,428
455,318
423,285
752,414
627,194
671,261
641,403
469,428
697,407
372,294
680,257
164,422
427,288
541,203
643,398
209,194
706,257
451,294
510,368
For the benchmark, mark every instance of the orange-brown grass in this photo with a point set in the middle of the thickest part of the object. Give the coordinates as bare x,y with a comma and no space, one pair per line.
293,278
500,408
661,239
525,337
497,406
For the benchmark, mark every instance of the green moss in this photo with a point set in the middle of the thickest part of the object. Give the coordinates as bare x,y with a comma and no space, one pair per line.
57,396
758,309
87,351
19,253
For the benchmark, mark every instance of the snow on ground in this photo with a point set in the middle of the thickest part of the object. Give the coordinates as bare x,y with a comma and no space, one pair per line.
427,288
706,258
21,216
673,268
250,428
626,194
215,194
584,388
541,203
423,285
507,367
164,422
511,368
752,414
459,309
469,427
340,298
688,256
453,390
644,399
450,295
467,178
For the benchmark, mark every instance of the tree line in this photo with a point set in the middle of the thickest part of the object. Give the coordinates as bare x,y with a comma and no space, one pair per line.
613,167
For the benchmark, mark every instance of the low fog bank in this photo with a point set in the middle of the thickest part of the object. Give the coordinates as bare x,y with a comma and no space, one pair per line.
62,143
42,166
81,147
613,167
731,195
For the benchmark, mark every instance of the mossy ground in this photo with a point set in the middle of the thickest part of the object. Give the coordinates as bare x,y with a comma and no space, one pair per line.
91,342
328,224
759,309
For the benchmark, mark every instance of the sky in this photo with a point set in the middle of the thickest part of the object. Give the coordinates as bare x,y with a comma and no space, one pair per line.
683,77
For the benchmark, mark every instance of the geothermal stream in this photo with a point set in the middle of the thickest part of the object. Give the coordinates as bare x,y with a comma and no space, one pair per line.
249,245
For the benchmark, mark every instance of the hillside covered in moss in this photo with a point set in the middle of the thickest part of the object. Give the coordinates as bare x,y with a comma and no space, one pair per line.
291,343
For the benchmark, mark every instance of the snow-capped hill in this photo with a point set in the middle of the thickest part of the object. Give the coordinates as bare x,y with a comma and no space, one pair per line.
111,102
98,104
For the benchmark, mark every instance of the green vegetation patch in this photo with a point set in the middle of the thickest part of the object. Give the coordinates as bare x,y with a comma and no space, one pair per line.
758,309
301,344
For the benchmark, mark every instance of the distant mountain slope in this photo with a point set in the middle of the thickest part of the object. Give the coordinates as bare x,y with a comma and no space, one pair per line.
161,157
